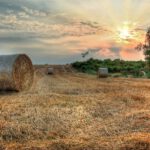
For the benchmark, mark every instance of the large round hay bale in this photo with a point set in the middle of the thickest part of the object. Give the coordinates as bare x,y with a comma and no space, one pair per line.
16,72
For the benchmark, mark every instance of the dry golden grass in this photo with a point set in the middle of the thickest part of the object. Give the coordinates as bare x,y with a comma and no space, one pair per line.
77,111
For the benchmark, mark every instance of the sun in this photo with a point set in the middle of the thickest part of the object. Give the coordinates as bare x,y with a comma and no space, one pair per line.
124,33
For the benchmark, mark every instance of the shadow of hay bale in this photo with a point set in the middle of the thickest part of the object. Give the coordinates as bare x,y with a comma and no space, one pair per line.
8,92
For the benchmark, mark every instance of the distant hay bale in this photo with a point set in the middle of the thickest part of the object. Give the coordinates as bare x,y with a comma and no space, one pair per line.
50,70
16,72
103,72
143,73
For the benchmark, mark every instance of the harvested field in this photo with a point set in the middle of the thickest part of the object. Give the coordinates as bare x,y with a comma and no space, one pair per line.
70,110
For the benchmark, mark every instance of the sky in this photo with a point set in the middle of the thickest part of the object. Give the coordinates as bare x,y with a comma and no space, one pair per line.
59,31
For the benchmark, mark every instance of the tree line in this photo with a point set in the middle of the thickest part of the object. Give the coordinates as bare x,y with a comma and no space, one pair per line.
114,66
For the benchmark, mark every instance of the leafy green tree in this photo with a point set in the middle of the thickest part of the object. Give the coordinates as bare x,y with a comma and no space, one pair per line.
146,48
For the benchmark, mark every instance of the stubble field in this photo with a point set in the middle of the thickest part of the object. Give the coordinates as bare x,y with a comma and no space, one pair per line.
74,111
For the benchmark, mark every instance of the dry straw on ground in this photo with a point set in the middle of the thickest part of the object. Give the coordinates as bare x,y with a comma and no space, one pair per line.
72,111
16,72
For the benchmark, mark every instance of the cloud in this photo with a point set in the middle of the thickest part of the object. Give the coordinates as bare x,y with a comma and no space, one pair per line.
101,53
96,25
64,29
33,12
92,50
131,54
23,22
107,53
90,24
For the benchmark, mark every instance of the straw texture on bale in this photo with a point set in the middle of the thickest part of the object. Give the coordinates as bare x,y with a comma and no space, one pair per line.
16,72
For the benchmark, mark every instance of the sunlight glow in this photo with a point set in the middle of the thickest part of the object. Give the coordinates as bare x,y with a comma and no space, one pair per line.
125,33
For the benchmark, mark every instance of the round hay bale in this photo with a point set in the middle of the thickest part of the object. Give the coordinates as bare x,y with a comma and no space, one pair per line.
103,72
143,73
16,72
50,71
